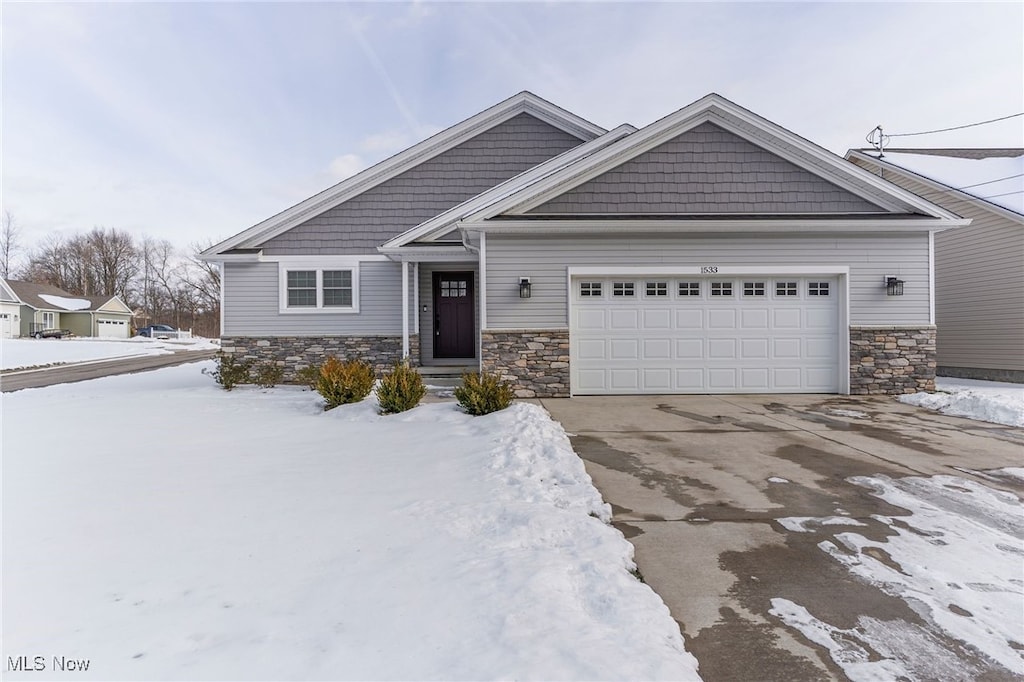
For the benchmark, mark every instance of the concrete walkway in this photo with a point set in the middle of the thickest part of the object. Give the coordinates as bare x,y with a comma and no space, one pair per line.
688,480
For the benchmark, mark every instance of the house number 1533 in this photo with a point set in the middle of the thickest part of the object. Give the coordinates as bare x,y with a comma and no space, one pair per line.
708,269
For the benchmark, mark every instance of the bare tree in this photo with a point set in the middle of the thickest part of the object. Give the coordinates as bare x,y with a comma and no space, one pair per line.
10,244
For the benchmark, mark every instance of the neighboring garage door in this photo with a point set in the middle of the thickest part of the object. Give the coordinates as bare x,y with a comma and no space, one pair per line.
112,329
743,334
7,325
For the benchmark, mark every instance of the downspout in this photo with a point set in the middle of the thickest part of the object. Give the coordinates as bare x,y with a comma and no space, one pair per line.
481,252
405,310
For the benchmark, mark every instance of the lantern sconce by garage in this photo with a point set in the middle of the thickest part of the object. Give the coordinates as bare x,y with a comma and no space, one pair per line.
893,285
525,288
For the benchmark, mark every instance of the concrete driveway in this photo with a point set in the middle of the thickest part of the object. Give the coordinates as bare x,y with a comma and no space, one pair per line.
698,483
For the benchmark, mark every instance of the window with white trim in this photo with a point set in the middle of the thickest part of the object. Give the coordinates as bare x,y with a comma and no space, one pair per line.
753,288
689,288
623,289
590,289
786,289
817,288
656,289
721,288
329,289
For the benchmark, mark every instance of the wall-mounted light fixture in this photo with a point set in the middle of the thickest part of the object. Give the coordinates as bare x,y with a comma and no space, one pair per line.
893,285
524,287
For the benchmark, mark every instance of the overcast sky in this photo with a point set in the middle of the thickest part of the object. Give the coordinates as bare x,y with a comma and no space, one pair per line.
191,122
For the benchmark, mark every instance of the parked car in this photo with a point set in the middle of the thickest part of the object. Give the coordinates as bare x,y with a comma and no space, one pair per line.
51,333
157,331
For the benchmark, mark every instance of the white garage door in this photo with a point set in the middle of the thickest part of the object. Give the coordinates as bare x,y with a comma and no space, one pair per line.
701,335
7,323
111,329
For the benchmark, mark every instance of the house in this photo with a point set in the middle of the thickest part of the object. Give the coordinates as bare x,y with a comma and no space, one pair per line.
42,306
10,312
711,251
979,271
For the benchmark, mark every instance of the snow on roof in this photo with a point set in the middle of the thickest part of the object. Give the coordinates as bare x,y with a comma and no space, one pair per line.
66,303
996,179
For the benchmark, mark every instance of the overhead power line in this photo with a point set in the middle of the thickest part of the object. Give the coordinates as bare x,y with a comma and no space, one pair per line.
968,125
989,182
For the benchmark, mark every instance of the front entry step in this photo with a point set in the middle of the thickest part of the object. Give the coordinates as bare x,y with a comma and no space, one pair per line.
445,375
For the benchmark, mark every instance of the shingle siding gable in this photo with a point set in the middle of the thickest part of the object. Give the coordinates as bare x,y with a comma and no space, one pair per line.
706,170
364,222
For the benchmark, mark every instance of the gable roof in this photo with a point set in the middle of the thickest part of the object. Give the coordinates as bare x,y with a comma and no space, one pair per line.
731,117
524,102
442,224
7,294
988,178
49,297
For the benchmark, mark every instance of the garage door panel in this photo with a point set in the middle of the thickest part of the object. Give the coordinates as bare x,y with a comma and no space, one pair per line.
722,318
756,318
705,344
624,349
591,349
590,318
657,349
657,379
624,318
659,318
719,348
689,318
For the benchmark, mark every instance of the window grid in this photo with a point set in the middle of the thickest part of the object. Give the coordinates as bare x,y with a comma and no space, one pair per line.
454,288
786,289
623,289
590,289
302,288
689,288
656,289
817,288
337,288
721,288
753,288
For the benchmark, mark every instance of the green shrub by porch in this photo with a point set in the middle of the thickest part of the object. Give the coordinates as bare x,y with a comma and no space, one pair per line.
484,393
341,382
400,389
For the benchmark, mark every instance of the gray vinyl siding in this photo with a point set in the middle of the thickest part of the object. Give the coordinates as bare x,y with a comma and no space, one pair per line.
364,222
426,314
870,257
979,283
706,170
251,296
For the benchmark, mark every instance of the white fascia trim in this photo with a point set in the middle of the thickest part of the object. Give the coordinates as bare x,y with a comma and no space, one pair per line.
223,283
781,226
884,165
443,223
695,270
232,257
523,102
428,254
324,261
319,265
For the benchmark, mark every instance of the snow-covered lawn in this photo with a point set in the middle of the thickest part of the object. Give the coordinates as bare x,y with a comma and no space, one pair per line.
15,353
989,401
250,535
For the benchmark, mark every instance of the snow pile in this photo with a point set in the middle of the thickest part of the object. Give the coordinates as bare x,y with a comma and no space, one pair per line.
15,353
989,401
65,302
956,560
268,539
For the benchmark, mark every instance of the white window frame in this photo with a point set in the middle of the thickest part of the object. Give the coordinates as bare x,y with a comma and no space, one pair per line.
49,319
318,265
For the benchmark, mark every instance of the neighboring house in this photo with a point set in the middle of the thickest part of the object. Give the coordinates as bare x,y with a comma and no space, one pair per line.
979,271
709,252
42,306
10,313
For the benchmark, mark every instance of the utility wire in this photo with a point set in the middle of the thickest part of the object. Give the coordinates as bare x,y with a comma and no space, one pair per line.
1004,194
989,182
943,130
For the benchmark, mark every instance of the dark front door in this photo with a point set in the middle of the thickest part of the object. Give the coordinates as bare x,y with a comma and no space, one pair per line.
454,328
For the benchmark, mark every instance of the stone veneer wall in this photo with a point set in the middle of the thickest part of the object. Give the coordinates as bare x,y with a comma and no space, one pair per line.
892,360
296,352
536,361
